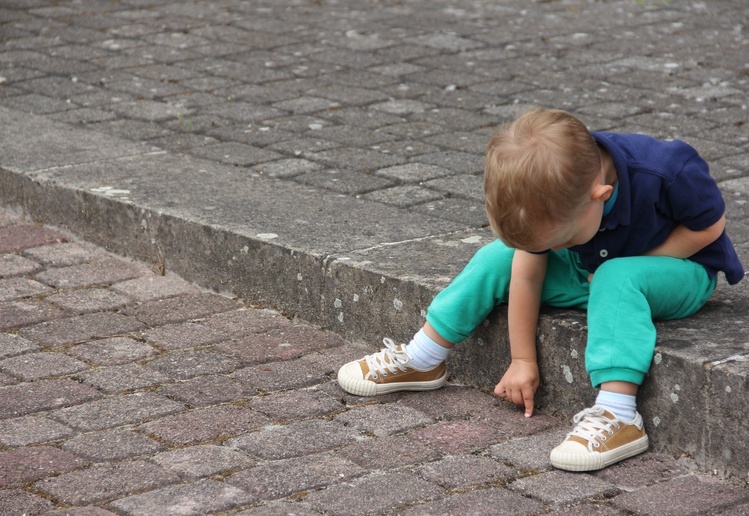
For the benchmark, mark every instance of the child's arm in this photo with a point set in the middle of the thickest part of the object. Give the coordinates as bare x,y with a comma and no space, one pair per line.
521,379
683,242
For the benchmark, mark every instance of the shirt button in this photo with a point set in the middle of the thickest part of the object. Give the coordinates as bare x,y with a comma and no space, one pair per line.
604,253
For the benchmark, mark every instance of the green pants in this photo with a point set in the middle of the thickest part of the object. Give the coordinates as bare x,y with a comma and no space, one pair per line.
622,300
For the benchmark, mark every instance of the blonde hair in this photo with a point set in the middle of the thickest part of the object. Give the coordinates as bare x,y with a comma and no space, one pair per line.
538,172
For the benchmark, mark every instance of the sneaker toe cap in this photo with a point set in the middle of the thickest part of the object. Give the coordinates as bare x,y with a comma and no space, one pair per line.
352,370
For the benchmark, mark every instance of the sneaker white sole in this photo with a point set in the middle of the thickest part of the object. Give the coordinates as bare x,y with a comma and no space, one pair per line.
592,461
360,387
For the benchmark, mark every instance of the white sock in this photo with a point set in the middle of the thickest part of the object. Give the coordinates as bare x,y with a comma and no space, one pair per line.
424,352
623,406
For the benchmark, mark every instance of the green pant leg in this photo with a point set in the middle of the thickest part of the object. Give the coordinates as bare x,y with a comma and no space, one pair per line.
626,295
485,281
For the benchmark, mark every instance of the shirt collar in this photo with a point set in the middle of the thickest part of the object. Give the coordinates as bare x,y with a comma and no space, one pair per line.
621,211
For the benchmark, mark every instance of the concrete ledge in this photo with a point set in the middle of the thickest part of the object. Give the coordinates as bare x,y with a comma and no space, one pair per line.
359,268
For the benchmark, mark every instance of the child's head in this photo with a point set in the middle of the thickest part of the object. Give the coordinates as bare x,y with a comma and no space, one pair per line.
538,175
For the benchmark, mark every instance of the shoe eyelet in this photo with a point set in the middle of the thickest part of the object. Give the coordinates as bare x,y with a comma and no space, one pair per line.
596,444
384,374
375,377
603,438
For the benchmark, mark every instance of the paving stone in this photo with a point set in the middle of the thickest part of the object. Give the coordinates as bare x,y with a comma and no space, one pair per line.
377,454
203,461
377,492
641,471
88,301
207,390
202,497
485,501
237,154
286,168
687,495
81,328
27,398
117,411
283,343
279,479
18,238
183,365
529,452
81,511
111,445
12,345
14,265
282,508
34,366
180,309
359,160
151,287
28,464
25,313
294,440
458,436
114,351
103,482
413,172
562,487
205,424
121,378
342,181
17,501
240,323
27,430
103,272
183,335
19,288
466,471
295,405
385,419
278,376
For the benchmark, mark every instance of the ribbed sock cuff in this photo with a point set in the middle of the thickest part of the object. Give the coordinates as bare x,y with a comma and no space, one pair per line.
424,352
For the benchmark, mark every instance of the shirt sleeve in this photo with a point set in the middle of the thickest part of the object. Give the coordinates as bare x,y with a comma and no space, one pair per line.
693,198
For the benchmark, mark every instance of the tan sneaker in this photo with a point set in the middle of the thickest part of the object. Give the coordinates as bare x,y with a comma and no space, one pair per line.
599,440
389,370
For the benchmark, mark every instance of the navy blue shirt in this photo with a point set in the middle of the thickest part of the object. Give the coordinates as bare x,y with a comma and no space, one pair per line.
661,185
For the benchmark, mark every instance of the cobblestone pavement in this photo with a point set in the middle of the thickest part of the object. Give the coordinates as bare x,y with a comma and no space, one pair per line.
123,391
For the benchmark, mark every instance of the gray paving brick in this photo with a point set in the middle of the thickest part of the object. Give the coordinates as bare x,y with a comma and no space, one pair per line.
294,440
17,501
239,323
116,411
277,376
279,479
17,238
27,430
295,405
458,436
560,487
486,501
202,497
203,461
151,287
82,328
103,272
35,366
207,390
113,351
180,309
205,424
529,452
183,335
121,378
183,365
381,420
111,445
103,482
88,301
11,345
467,471
18,314
14,265
28,398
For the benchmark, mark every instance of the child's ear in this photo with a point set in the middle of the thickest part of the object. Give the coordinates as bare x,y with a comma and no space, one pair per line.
602,193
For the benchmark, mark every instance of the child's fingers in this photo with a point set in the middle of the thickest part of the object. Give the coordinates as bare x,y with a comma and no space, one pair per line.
528,402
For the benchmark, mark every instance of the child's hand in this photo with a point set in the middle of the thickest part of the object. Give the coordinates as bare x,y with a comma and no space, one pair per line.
519,384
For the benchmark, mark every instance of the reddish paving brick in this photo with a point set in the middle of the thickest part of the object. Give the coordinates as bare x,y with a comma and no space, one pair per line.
206,424
27,464
280,344
282,478
202,497
18,238
27,398
181,308
102,272
117,411
184,335
207,390
458,436
80,329
88,301
106,481
64,254
17,501
34,366
19,314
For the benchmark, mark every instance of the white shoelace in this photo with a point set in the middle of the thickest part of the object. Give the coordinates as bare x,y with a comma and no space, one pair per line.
389,360
592,425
